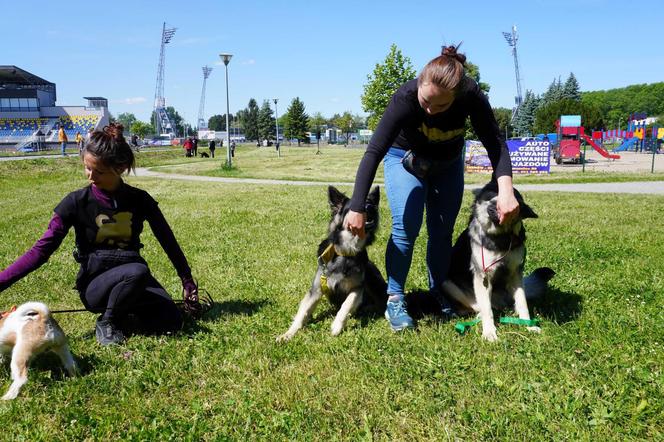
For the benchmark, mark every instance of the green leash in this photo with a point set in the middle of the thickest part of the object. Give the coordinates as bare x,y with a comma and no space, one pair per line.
463,327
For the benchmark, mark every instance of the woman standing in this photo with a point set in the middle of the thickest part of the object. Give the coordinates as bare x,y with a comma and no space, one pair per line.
420,140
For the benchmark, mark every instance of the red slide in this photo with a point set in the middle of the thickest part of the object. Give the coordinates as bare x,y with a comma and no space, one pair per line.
600,149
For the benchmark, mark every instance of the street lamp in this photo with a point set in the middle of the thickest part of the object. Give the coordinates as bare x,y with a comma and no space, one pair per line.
276,123
226,59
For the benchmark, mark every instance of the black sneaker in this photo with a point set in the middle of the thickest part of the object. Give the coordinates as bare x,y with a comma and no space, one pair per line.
107,333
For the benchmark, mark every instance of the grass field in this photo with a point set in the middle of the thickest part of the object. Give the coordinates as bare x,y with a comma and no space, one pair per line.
595,372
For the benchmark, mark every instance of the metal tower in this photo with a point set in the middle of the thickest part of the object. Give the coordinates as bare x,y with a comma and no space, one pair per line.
202,123
162,123
511,40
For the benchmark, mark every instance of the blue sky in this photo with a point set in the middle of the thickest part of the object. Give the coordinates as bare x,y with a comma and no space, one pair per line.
319,51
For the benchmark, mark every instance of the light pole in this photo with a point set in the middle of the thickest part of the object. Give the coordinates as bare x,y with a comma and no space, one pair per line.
226,59
276,123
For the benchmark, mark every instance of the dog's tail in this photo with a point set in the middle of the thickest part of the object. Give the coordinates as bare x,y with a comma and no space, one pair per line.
536,283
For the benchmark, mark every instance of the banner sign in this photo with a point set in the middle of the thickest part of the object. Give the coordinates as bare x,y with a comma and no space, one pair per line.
528,156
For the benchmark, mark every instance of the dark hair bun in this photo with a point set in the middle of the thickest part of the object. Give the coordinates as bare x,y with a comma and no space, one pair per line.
451,51
114,130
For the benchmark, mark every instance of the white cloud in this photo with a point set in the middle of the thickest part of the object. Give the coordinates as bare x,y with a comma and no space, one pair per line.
131,100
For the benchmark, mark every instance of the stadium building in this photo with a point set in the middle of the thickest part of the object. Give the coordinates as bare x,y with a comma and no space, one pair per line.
29,117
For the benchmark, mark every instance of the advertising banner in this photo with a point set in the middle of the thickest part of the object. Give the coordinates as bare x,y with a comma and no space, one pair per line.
528,156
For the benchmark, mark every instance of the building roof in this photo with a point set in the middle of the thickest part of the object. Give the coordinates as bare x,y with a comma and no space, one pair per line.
94,98
15,75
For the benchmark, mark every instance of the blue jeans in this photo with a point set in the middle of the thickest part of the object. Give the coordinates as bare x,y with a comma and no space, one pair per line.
407,196
63,146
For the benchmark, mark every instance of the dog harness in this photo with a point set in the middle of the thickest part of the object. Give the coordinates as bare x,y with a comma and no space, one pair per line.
328,255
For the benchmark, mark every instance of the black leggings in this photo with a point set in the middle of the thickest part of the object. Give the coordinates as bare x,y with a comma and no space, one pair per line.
131,289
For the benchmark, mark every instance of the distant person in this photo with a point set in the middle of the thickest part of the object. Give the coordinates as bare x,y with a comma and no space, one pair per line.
62,139
107,216
232,148
39,136
134,140
188,145
212,147
79,141
194,145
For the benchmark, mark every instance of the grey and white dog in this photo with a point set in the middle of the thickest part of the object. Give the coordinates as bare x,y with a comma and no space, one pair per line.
486,268
345,275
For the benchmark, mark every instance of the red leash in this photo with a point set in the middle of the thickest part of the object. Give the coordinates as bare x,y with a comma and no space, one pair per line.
485,267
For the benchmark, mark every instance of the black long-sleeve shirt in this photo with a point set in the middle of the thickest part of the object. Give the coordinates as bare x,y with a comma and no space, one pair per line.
440,137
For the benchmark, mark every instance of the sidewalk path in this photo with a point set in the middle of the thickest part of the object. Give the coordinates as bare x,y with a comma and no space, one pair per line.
642,187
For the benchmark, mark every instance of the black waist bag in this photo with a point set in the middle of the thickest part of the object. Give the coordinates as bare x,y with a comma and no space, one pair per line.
423,167
99,261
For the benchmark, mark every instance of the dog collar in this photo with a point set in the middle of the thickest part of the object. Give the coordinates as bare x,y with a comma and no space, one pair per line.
3,315
330,252
328,255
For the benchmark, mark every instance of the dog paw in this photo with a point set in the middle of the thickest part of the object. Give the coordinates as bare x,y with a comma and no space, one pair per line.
337,329
534,329
285,337
9,396
490,335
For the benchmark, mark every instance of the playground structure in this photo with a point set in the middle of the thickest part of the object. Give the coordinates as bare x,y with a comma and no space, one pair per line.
637,137
570,133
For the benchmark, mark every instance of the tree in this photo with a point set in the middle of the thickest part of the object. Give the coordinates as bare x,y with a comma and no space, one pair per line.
571,88
347,124
525,116
316,122
250,120
504,120
266,124
217,122
384,82
127,120
546,116
553,93
297,121
473,71
141,129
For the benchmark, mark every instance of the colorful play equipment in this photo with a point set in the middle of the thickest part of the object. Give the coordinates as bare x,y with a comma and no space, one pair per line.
570,132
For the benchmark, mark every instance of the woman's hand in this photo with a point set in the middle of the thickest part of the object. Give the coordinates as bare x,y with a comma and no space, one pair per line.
507,205
354,223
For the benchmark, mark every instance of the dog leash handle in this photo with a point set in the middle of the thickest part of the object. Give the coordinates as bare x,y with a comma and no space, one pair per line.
518,321
463,327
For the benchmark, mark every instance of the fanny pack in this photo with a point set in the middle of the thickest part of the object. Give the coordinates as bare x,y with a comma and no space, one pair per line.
423,167
99,261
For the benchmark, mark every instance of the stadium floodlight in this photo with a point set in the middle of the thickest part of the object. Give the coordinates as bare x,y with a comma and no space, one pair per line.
226,58
202,124
512,39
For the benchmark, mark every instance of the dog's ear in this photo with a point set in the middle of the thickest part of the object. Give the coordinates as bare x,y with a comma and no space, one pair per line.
374,196
336,199
525,211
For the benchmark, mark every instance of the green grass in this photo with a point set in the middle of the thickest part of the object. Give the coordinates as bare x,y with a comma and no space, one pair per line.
595,372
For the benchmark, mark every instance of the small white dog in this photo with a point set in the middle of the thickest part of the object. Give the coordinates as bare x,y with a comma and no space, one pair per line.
28,331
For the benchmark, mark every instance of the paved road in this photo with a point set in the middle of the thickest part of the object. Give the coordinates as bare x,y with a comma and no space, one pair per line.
643,187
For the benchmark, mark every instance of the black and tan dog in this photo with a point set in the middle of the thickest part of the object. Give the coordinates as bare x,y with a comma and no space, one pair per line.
486,267
345,275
